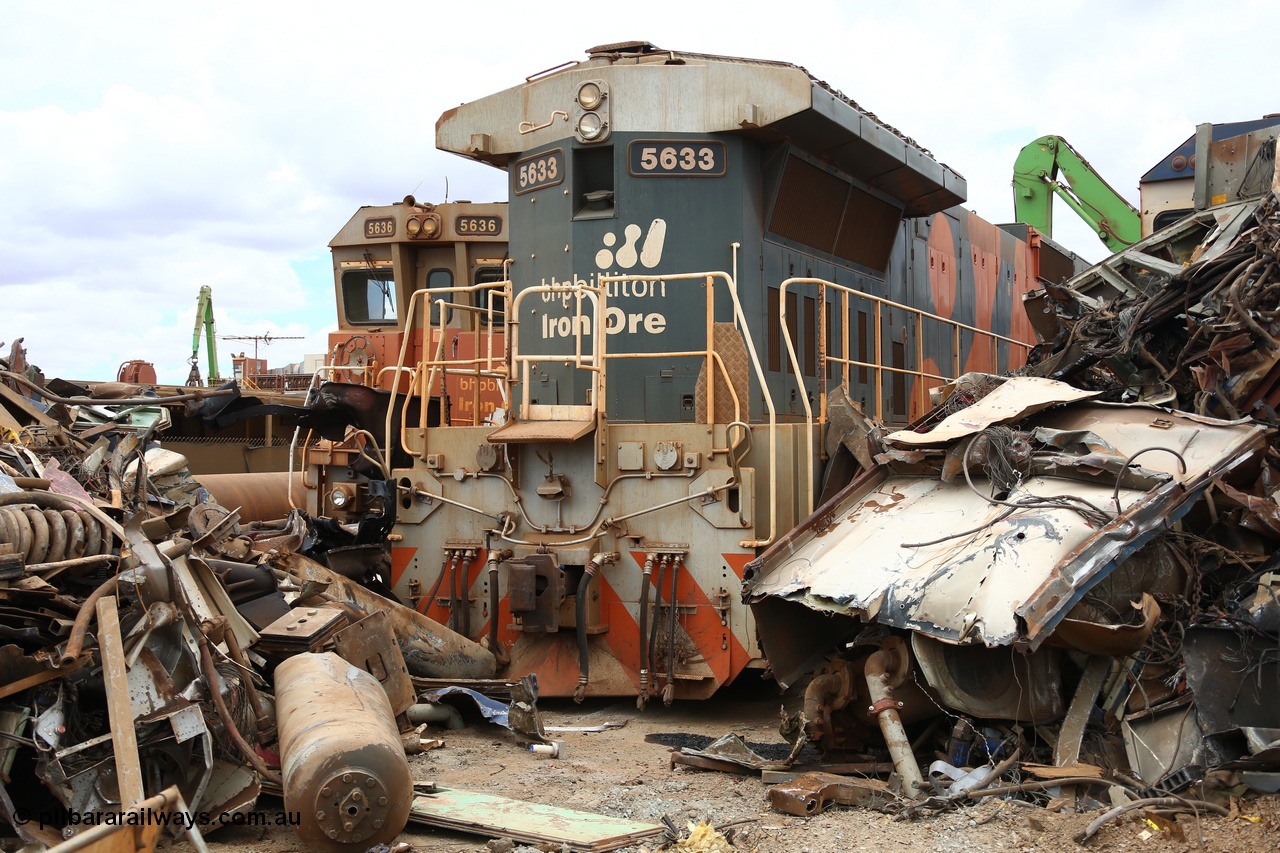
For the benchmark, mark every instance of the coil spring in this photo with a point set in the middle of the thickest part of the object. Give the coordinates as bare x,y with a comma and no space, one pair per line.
50,535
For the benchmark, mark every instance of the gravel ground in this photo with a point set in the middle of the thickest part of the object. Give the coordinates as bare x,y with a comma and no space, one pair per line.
616,772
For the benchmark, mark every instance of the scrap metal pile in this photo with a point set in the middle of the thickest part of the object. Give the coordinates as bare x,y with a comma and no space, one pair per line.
153,643
1066,579
1184,319
1061,584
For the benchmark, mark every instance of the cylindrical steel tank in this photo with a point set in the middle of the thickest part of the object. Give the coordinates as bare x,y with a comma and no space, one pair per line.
343,765
259,497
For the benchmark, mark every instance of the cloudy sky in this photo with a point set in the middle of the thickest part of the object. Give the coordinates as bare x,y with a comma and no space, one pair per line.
147,149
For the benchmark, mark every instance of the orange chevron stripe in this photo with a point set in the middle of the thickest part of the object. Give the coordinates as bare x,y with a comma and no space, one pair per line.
401,556
738,562
623,636
703,626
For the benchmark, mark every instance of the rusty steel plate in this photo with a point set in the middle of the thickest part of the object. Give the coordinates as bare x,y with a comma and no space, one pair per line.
371,645
303,628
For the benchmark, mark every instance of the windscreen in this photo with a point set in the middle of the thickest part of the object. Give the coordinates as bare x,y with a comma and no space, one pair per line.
368,296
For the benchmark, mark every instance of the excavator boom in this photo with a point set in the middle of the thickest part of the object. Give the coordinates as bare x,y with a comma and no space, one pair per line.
204,320
1035,182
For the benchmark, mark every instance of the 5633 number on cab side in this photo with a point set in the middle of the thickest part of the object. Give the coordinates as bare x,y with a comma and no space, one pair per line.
540,170
667,158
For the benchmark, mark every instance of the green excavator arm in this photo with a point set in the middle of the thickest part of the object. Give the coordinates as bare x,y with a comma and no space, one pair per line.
1035,182
204,321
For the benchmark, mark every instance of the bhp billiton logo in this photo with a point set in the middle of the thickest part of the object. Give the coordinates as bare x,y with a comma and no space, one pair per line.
649,255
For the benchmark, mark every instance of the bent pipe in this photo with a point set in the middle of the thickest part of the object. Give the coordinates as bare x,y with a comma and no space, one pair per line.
580,617
453,589
262,711
425,712
75,640
495,557
657,610
455,618
435,587
464,584
669,688
642,697
885,709
228,723
823,693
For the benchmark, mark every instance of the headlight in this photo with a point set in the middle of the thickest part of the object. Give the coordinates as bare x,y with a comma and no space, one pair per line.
423,227
590,126
340,497
590,95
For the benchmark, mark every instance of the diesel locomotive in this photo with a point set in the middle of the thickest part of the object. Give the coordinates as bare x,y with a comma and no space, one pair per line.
598,401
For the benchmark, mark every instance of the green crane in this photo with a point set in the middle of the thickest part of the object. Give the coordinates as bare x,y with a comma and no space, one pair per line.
204,318
1035,182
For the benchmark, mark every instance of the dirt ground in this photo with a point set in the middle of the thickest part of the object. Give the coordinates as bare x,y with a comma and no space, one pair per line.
616,772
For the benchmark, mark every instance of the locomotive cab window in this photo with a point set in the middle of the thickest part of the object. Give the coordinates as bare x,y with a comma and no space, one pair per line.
1166,218
593,185
436,279
490,275
369,297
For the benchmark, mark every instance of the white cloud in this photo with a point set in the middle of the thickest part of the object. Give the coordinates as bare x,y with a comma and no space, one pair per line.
151,148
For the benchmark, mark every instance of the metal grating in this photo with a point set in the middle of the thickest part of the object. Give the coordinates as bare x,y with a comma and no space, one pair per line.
869,230
772,297
809,205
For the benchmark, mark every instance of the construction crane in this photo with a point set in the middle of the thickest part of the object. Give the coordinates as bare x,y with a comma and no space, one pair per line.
204,319
265,338
1035,182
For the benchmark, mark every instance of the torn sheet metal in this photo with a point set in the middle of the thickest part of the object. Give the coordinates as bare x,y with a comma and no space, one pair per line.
811,793
1186,317
1011,401
1234,676
911,551
732,752
521,716
1097,637
1163,740
371,645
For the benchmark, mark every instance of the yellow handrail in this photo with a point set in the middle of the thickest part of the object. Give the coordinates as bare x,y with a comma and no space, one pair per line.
429,369
846,362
